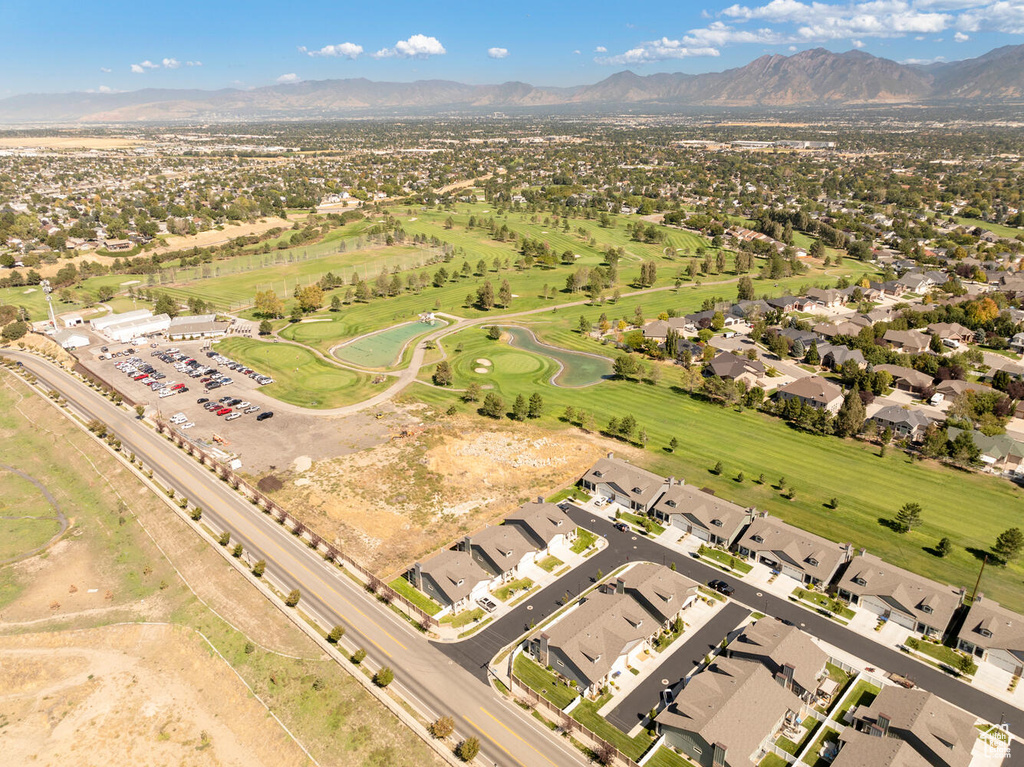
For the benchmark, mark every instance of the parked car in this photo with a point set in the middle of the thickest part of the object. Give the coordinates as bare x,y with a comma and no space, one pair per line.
488,604
201,400
252,409
721,587
188,425
265,416
233,416
622,526
224,411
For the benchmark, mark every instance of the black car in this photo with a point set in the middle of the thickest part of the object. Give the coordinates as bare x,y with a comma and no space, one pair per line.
721,587
201,400
234,401
622,527
265,416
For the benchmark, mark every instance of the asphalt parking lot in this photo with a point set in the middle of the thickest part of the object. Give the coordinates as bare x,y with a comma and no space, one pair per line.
273,443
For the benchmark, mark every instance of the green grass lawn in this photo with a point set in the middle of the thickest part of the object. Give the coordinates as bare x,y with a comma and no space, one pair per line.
869,488
725,558
584,540
862,695
666,757
505,591
999,229
550,564
464,618
414,595
573,493
642,522
794,748
543,681
939,652
300,377
823,601
586,714
771,760
811,757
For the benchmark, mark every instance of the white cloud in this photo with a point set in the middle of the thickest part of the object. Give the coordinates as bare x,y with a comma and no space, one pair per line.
600,49
792,49
171,63
147,64
291,77
923,62
193,63
857,43
105,70
341,51
576,52
105,89
137,69
960,37
658,50
497,53
417,46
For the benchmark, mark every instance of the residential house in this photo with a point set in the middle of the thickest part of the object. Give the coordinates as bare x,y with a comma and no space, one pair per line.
992,633
999,452
953,331
825,330
701,514
915,282
623,483
938,733
891,288
501,550
952,388
796,662
902,597
658,330
904,423
727,714
834,357
750,311
909,341
544,524
1017,343
801,555
830,298
733,367
452,578
805,337
906,379
612,628
785,304
814,391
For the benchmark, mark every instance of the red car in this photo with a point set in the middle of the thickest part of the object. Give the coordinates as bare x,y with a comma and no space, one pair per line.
224,411
177,386
140,376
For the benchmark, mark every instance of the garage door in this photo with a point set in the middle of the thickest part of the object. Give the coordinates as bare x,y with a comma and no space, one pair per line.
873,605
1003,660
679,521
903,620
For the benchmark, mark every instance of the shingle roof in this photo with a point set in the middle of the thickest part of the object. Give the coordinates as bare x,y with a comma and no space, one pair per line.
703,509
814,389
938,727
638,484
719,698
794,546
896,414
915,378
774,644
662,591
1006,627
862,750
902,589
729,365
503,545
455,573
541,521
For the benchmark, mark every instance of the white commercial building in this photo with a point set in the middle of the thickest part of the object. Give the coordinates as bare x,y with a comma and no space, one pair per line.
102,323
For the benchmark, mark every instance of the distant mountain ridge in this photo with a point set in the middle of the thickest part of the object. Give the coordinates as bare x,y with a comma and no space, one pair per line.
810,78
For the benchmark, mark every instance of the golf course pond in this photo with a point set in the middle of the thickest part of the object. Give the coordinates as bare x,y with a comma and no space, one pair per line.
383,349
575,368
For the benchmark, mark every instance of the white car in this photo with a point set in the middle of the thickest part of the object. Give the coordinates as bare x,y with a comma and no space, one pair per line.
488,604
252,409
233,416
166,393
179,418
188,425
243,405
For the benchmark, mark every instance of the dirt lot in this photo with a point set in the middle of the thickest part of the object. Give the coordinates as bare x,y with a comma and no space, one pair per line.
129,694
261,445
77,689
69,142
402,500
219,237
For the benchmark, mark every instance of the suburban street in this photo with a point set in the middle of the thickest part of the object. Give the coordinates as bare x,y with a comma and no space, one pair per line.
450,679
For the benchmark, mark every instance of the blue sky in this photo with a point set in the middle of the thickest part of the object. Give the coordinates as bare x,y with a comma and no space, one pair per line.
53,46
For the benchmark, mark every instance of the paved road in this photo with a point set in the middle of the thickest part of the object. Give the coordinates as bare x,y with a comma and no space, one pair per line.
691,651
447,678
426,677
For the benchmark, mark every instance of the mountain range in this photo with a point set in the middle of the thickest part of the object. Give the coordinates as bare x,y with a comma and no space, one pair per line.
817,78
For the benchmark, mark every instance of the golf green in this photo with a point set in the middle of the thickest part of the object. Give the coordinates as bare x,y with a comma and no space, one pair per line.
577,369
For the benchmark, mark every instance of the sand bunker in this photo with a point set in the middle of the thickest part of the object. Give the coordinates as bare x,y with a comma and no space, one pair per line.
483,363
481,370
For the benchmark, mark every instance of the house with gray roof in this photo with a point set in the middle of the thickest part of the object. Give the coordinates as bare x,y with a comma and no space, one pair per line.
939,733
834,357
904,423
788,653
701,514
1000,452
904,598
619,481
952,331
992,633
826,330
829,298
501,549
814,391
728,713
613,627
658,329
452,578
794,552
545,524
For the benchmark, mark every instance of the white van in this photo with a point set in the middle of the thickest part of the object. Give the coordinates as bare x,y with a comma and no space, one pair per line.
178,418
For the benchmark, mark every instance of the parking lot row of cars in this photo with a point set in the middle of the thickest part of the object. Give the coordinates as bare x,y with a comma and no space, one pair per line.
145,374
230,364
